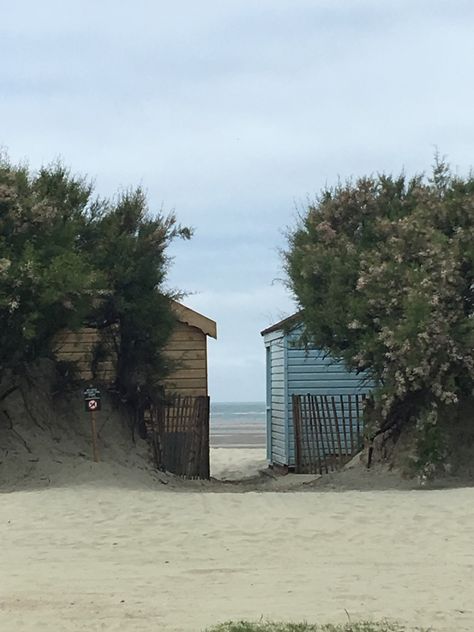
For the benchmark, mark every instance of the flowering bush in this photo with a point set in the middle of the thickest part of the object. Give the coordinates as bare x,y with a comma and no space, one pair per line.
60,248
383,270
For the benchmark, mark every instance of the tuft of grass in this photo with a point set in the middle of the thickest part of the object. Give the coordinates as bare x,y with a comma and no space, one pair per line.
363,626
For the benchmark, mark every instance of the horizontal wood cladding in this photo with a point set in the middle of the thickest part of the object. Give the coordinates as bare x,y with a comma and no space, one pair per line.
193,392
186,348
186,355
80,349
183,364
186,332
188,372
86,335
177,346
188,386
276,382
188,382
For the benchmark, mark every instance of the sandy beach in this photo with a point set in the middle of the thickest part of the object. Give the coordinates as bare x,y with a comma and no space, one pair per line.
98,556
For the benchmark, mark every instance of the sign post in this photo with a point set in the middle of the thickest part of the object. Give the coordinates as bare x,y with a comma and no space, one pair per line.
92,403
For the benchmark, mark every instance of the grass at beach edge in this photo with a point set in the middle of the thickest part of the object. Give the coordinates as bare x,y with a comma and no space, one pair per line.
270,626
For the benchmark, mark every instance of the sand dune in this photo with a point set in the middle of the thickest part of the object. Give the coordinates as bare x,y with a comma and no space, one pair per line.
115,546
235,464
93,556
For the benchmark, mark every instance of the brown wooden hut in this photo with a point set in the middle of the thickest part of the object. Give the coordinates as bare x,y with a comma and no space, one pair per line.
178,428
187,347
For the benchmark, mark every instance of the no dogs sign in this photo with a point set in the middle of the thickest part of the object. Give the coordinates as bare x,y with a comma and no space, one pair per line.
92,400
92,405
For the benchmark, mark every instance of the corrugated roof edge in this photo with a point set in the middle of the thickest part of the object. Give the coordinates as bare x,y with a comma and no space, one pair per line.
286,323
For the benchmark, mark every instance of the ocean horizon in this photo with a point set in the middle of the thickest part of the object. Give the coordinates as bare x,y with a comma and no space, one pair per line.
238,424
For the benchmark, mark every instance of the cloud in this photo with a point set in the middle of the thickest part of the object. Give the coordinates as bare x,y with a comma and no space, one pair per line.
237,358
231,113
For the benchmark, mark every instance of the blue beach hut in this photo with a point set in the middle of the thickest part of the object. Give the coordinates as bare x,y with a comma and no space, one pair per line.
295,369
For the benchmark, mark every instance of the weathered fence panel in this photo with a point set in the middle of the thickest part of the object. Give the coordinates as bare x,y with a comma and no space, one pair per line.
328,431
179,431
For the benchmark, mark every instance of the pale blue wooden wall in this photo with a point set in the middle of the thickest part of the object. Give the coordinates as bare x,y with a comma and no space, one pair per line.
296,370
277,428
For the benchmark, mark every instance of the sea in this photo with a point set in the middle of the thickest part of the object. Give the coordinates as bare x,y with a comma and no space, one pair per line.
238,424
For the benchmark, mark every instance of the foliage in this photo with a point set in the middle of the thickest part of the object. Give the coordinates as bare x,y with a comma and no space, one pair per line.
367,626
383,270
67,257
129,248
45,279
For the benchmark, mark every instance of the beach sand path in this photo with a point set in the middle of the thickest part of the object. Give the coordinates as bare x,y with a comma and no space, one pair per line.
90,558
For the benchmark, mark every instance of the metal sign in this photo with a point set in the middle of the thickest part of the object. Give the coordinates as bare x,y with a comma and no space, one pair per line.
92,399
91,393
92,405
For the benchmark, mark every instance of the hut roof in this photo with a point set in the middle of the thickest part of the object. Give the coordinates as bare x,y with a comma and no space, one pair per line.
195,319
287,323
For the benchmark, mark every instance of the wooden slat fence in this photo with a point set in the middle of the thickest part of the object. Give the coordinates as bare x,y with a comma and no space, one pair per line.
179,431
328,431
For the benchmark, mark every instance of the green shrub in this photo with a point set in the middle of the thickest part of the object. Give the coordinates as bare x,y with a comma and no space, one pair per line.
68,258
383,271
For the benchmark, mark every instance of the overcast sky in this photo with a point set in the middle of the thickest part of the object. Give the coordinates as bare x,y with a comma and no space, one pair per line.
232,113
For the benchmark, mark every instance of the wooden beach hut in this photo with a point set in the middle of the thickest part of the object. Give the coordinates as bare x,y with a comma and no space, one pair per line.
314,404
178,428
187,348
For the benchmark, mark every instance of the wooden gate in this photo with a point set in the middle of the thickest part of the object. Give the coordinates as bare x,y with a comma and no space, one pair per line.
180,436
328,431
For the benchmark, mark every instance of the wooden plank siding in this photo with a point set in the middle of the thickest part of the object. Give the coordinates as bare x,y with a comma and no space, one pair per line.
277,452
293,369
79,347
313,371
187,347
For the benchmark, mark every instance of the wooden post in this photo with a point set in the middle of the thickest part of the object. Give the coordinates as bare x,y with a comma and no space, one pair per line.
316,439
295,399
331,430
358,422
323,435
306,443
345,433
351,426
337,427
95,451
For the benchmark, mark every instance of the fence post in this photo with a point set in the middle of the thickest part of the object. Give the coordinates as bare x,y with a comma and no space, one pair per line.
338,430
351,422
343,416
297,427
318,446
323,435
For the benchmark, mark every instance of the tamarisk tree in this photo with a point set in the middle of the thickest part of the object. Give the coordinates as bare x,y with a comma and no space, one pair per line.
68,258
383,270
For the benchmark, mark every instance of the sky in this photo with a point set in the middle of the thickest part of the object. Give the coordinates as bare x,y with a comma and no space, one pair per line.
233,114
